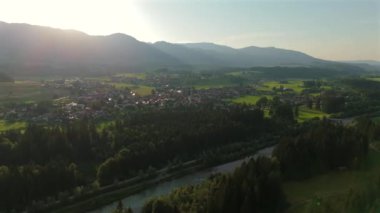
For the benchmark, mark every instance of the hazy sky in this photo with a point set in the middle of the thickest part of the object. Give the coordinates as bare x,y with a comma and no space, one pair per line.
328,29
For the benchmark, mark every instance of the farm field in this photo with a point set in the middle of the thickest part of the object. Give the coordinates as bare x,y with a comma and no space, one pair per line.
5,126
250,99
28,91
228,80
295,85
374,79
141,90
307,194
306,114
132,75
210,86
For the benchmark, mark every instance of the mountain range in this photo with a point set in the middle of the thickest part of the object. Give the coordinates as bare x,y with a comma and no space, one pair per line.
29,49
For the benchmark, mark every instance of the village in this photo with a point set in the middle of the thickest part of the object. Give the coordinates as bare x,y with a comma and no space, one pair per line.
103,101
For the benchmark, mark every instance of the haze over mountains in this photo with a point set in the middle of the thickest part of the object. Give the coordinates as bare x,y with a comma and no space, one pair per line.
34,49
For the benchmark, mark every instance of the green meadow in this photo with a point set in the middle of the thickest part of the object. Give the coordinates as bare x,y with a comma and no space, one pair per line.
101,126
249,99
210,86
132,75
98,78
374,79
296,85
28,91
5,126
236,73
141,90
305,113
305,195
214,83
227,80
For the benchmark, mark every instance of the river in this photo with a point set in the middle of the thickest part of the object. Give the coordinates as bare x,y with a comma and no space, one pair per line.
136,201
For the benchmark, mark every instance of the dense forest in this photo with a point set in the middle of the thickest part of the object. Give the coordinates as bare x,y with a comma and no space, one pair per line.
80,154
253,187
320,148
312,148
167,135
362,96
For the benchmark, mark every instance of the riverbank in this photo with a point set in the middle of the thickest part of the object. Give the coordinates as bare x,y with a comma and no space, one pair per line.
132,186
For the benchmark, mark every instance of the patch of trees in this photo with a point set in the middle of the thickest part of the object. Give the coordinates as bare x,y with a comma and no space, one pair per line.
25,185
282,112
154,138
320,148
42,162
332,102
312,84
367,87
364,98
253,187
359,105
41,144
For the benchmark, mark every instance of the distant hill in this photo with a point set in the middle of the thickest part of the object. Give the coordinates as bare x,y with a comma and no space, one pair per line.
41,49
254,56
368,65
28,50
190,56
369,62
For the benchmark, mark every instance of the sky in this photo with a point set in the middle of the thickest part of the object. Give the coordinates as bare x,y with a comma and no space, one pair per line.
327,29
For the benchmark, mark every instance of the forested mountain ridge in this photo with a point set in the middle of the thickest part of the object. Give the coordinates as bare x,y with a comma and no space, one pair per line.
27,49
254,56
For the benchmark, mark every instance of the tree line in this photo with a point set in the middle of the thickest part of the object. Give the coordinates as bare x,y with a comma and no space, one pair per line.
79,154
253,187
311,149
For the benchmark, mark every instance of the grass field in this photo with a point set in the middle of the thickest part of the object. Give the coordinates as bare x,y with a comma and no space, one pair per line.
215,82
303,194
104,125
139,89
374,79
305,113
132,75
237,73
209,86
296,85
98,78
249,99
28,91
5,126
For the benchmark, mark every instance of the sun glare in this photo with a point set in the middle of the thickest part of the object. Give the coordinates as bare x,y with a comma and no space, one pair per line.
92,17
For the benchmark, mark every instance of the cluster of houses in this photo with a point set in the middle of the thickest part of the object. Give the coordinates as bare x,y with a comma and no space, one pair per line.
102,101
